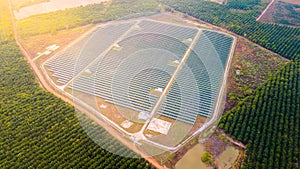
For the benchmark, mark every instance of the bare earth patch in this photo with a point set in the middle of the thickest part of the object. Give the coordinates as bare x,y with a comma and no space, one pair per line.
38,43
292,1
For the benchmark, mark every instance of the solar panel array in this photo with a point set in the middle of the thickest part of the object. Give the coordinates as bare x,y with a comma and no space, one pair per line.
66,64
126,76
111,80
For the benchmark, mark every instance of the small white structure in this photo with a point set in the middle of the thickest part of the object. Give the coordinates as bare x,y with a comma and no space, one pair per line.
143,115
126,124
159,126
176,62
52,47
189,39
88,71
103,106
116,45
160,90
47,52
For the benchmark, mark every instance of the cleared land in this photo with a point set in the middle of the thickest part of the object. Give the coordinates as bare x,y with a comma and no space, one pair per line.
281,12
243,77
192,159
39,43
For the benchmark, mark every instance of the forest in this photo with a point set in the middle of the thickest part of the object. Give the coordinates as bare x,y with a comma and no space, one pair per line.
280,39
38,130
268,122
243,4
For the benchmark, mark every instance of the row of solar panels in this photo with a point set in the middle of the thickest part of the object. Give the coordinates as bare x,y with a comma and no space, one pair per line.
195,88
66,64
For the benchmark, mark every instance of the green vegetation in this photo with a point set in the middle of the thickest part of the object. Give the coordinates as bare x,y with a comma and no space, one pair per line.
207,158
288,14
5,23
54,21
79,16
251,67
243,4
38,130
268,121
280,39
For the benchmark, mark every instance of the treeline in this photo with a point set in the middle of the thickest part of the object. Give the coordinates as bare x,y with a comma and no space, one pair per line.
38,130
6,33
268,122
280,39
79,16
243,4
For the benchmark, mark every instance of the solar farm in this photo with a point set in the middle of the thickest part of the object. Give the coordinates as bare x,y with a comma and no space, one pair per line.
154,73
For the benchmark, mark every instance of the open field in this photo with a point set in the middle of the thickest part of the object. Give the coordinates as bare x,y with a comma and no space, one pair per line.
227,158
192,159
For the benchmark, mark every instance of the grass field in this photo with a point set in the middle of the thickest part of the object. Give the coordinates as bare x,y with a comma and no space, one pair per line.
228,157
192,159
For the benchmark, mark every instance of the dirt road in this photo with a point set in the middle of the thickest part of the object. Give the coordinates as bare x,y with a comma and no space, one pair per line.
258,18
